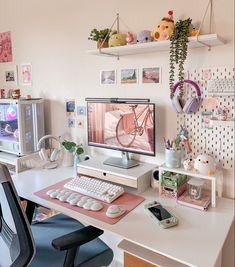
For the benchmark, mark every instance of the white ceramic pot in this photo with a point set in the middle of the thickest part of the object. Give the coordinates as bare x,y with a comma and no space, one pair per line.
68,159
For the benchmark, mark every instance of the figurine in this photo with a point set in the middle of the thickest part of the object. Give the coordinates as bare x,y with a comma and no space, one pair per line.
144,37
222,113
188,164
117,39
205,164
129,38
165,29
194,32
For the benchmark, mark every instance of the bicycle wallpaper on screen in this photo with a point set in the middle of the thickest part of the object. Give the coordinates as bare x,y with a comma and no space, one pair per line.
122,126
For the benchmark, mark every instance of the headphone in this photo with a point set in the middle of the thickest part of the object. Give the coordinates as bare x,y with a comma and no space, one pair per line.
43,153
192,104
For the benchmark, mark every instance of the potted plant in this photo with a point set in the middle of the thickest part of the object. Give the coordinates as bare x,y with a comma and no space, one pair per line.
101,37
178,52
73,151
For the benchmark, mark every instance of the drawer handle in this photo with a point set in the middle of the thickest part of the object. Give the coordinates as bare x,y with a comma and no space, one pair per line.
104,173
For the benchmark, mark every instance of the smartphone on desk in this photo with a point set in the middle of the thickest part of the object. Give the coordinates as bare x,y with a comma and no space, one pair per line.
164,218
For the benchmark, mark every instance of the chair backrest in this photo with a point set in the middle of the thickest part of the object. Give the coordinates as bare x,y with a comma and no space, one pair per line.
16,243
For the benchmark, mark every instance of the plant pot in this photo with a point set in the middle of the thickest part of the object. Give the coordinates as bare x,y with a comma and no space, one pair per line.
101,44
68,159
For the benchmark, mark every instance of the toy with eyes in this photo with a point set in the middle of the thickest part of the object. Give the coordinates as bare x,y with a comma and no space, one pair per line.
144,37
165,29
129,38
204,164
117,39
188,164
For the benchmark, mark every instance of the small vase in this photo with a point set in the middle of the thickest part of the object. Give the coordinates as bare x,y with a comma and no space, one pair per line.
75,164
102,44
68,159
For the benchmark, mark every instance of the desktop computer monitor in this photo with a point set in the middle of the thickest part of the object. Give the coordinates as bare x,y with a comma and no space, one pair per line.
125,126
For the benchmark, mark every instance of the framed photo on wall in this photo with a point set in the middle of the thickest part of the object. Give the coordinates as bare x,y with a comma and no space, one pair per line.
108,77
9,77
26,74
151,75
129,76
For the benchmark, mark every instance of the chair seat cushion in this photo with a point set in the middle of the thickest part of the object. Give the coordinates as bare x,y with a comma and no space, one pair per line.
95,253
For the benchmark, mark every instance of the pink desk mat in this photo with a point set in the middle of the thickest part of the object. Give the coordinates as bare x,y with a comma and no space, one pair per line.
127,201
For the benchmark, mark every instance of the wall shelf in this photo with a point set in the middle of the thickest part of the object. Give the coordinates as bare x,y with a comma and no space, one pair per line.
207,40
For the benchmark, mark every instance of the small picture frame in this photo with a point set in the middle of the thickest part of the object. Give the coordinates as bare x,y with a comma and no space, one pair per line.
129,76
26,74
70,107
9,76
151,75
108,77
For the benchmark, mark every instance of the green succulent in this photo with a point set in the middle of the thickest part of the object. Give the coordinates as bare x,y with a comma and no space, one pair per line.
178,52
97,35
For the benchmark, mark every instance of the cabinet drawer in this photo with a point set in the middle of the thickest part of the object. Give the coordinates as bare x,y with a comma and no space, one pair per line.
133,261
108,177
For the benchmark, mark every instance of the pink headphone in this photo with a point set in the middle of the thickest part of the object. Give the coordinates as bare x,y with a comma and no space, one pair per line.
192,104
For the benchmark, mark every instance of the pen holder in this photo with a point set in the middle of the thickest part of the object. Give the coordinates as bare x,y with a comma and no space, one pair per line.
173,158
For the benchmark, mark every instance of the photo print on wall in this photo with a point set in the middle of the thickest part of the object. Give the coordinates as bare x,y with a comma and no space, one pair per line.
70,107
26,74
8,76
129,76
107,77
151,75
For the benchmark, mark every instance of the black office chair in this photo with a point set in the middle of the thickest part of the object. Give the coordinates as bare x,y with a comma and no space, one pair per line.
59,240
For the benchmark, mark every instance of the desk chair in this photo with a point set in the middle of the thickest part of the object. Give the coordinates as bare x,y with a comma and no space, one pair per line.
57,241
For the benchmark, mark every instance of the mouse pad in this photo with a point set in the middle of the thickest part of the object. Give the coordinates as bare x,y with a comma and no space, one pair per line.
127,200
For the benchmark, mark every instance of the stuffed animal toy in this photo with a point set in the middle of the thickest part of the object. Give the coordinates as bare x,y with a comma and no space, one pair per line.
165,29
117,39
129,38
188,164
144,37
204,164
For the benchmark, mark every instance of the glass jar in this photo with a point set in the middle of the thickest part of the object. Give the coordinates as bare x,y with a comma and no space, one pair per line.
195,188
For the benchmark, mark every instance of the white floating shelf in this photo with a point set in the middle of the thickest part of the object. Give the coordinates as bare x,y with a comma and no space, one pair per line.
218,123
207,40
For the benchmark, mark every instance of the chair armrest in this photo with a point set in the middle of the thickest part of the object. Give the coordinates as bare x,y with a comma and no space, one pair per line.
76,238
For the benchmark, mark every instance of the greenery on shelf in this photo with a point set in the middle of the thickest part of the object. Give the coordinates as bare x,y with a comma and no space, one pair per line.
72,147
178,52
98,35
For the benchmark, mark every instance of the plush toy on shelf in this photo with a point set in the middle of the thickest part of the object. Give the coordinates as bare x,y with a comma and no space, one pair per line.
144,37
205,164
165,29
130,38
188,164
117,39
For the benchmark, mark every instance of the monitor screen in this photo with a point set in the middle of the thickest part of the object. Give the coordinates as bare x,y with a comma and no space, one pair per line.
122,126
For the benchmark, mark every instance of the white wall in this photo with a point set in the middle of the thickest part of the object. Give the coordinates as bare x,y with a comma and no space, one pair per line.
52,36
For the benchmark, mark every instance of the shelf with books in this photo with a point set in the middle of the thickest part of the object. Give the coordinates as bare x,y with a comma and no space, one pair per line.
217,177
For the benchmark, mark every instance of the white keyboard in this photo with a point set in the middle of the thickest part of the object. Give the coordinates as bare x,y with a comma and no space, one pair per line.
98,189
221,86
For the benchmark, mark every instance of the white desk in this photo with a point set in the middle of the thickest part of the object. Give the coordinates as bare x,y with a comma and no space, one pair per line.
196,241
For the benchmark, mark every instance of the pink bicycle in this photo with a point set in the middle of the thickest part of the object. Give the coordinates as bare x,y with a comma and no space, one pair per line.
133,123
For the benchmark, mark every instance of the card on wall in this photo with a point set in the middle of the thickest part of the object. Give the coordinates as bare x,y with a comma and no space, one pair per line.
71,123
8,76
70,107
151,75
26,74
80,123
129,76
81,110
108,77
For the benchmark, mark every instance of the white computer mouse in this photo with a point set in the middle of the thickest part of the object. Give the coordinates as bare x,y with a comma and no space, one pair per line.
96,206
114,211
87,205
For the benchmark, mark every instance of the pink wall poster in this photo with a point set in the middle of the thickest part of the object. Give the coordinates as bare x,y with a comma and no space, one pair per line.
5,47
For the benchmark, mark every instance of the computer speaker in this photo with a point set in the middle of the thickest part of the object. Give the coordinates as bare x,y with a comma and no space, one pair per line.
155,178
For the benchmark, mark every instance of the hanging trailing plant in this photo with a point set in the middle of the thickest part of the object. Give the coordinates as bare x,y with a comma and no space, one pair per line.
178,52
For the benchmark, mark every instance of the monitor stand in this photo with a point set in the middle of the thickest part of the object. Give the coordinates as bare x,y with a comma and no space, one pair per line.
125,162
